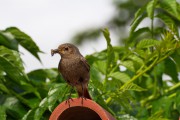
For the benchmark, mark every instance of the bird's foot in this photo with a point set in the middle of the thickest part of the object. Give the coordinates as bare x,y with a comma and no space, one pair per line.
68,101
82,97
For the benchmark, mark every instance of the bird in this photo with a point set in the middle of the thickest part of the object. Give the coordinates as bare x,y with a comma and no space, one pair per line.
74,68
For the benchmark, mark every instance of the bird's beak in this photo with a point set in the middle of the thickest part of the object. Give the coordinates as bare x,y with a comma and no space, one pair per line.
54,51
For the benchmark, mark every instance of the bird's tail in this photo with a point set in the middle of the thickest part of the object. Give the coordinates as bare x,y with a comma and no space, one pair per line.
83,92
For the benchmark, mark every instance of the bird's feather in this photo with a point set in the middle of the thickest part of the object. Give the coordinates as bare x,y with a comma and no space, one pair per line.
85,63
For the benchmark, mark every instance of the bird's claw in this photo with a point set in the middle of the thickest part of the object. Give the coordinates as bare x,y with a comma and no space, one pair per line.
68,101
82,97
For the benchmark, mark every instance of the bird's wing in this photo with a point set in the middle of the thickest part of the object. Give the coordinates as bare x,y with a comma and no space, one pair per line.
85,63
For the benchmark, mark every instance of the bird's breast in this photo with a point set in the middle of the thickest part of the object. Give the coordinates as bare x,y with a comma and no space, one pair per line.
68,64
72,70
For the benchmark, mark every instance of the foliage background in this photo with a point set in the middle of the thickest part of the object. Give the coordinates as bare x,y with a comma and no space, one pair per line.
127,80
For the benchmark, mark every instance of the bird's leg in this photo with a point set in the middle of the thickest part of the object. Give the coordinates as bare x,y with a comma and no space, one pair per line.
82,93
69,97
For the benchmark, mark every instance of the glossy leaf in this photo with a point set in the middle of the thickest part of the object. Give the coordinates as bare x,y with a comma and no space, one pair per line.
29,115
40,76
25,41
41,109
13,104
11,63
55,93
7,40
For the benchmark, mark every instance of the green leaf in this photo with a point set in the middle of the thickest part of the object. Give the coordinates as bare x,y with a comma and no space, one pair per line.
7,40
40,76
101,66
123,77
168,21
178,7
11,63
25,41
139,13
164,104
132,86
95,77
41,109
141,53
171,70
100,100
122,98
12,56
55,93
177,99
27,102
29,115
150,8
110,51
146,43
3,113
13,104
170,6
138,33
136,59
176,58
157,116
135,24
128,64
4,88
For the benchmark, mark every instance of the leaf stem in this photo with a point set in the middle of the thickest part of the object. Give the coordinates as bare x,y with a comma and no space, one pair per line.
140,73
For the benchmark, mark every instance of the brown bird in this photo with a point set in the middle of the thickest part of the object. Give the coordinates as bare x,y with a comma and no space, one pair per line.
74,68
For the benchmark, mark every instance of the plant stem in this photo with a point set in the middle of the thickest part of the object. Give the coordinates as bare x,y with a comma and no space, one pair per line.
173,87
152,28
140,73
152,97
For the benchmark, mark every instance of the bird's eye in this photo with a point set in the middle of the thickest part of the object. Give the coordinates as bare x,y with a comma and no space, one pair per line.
66,48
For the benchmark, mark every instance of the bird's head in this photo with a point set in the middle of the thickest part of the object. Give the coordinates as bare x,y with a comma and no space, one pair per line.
66,50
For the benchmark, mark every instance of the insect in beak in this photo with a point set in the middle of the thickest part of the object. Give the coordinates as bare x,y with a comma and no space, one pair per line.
54,51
